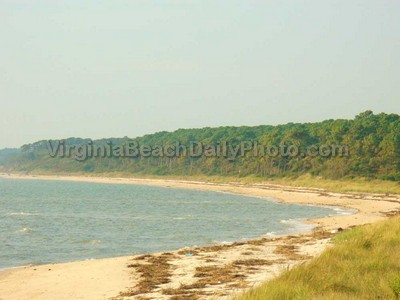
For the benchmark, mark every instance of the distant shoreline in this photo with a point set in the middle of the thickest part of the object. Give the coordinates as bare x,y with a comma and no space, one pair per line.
105,278
369,207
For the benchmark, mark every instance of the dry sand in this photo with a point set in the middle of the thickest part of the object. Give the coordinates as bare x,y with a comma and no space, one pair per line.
201,272
91,279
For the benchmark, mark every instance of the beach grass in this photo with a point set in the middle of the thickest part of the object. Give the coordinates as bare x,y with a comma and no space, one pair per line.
364,263
363,185
357,184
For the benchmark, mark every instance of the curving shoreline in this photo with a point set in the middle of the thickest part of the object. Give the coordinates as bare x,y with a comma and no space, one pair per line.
105,278
369,207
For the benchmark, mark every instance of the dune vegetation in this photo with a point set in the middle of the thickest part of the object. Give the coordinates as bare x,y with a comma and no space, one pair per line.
363,263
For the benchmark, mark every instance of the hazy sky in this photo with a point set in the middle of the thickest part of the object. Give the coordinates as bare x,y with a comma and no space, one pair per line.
126,68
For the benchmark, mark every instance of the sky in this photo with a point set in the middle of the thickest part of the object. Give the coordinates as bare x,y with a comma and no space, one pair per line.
100,69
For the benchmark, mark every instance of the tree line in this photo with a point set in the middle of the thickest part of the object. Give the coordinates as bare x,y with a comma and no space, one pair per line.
373,142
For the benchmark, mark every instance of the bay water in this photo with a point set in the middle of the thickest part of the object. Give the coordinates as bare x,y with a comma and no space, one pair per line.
44,221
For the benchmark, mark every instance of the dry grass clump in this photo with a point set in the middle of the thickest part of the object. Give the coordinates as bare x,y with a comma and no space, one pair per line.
320,234
222,247
188,251
154,271
216,248
181,294
257,242
144,256
290,251
254,262
190,296
393,213
214,275
208,275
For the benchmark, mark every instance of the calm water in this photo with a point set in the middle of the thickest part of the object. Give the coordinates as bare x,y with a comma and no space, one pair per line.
54,221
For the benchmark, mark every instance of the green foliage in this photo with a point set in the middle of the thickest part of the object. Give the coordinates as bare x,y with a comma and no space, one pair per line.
7,153
364,263
395,285
373,142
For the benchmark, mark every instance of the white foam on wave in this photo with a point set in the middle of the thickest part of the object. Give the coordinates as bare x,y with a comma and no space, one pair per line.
296,226
344,211
289,221
219,243
182,217
21,213
24,230
270,234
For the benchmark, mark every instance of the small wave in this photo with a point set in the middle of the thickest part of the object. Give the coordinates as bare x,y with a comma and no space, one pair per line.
296,226
92,242
338,210
290,222
181,218
24,230
270,234
293,222
344,211
215,242
21,213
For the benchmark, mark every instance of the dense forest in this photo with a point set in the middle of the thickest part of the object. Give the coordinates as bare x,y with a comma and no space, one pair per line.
373,142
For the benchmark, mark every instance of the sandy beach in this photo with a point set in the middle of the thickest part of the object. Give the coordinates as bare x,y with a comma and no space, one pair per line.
201,272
